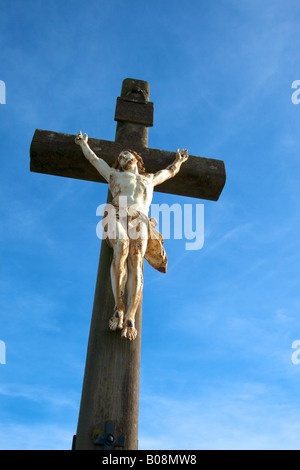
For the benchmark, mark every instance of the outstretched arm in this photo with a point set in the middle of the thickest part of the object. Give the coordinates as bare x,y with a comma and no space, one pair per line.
104,169
172,169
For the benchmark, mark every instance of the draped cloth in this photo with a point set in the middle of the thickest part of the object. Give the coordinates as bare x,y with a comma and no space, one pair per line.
155,253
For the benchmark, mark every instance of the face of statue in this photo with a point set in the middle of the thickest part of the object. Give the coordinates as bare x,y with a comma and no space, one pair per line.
127,160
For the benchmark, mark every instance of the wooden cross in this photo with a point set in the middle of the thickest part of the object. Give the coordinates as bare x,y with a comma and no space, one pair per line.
112,372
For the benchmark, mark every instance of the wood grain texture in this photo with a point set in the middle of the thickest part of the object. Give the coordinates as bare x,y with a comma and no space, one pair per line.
55,153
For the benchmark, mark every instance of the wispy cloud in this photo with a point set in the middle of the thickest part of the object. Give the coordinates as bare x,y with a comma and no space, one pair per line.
241,416
231,234
32,433
38,394
44,436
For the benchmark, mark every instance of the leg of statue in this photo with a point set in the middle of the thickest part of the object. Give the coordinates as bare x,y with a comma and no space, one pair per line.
118,273
134,285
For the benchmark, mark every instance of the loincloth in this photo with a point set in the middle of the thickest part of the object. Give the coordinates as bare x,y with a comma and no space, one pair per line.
155,253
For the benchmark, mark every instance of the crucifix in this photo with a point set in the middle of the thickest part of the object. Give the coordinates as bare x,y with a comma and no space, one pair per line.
110,394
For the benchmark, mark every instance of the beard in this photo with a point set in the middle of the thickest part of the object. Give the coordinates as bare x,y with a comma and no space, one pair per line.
129,164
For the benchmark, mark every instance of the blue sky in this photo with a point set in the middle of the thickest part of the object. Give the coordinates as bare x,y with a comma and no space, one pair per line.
218,329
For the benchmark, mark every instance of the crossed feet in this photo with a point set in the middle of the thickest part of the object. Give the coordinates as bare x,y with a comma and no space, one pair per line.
128,329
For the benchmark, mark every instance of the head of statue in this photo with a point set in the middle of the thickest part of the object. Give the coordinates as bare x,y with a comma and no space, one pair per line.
127,160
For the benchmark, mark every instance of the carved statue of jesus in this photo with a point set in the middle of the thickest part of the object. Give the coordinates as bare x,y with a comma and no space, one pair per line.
129,181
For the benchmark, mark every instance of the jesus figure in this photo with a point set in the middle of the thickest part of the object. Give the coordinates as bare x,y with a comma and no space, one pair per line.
129,181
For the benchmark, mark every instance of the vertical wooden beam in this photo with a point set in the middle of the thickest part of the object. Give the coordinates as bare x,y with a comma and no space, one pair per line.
112,373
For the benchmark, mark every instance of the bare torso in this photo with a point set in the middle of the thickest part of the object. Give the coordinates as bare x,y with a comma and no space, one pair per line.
138,189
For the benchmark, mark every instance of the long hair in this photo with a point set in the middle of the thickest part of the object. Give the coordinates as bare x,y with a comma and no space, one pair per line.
140,162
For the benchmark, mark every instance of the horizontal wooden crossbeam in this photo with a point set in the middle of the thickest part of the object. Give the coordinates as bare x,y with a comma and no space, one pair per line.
57,154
